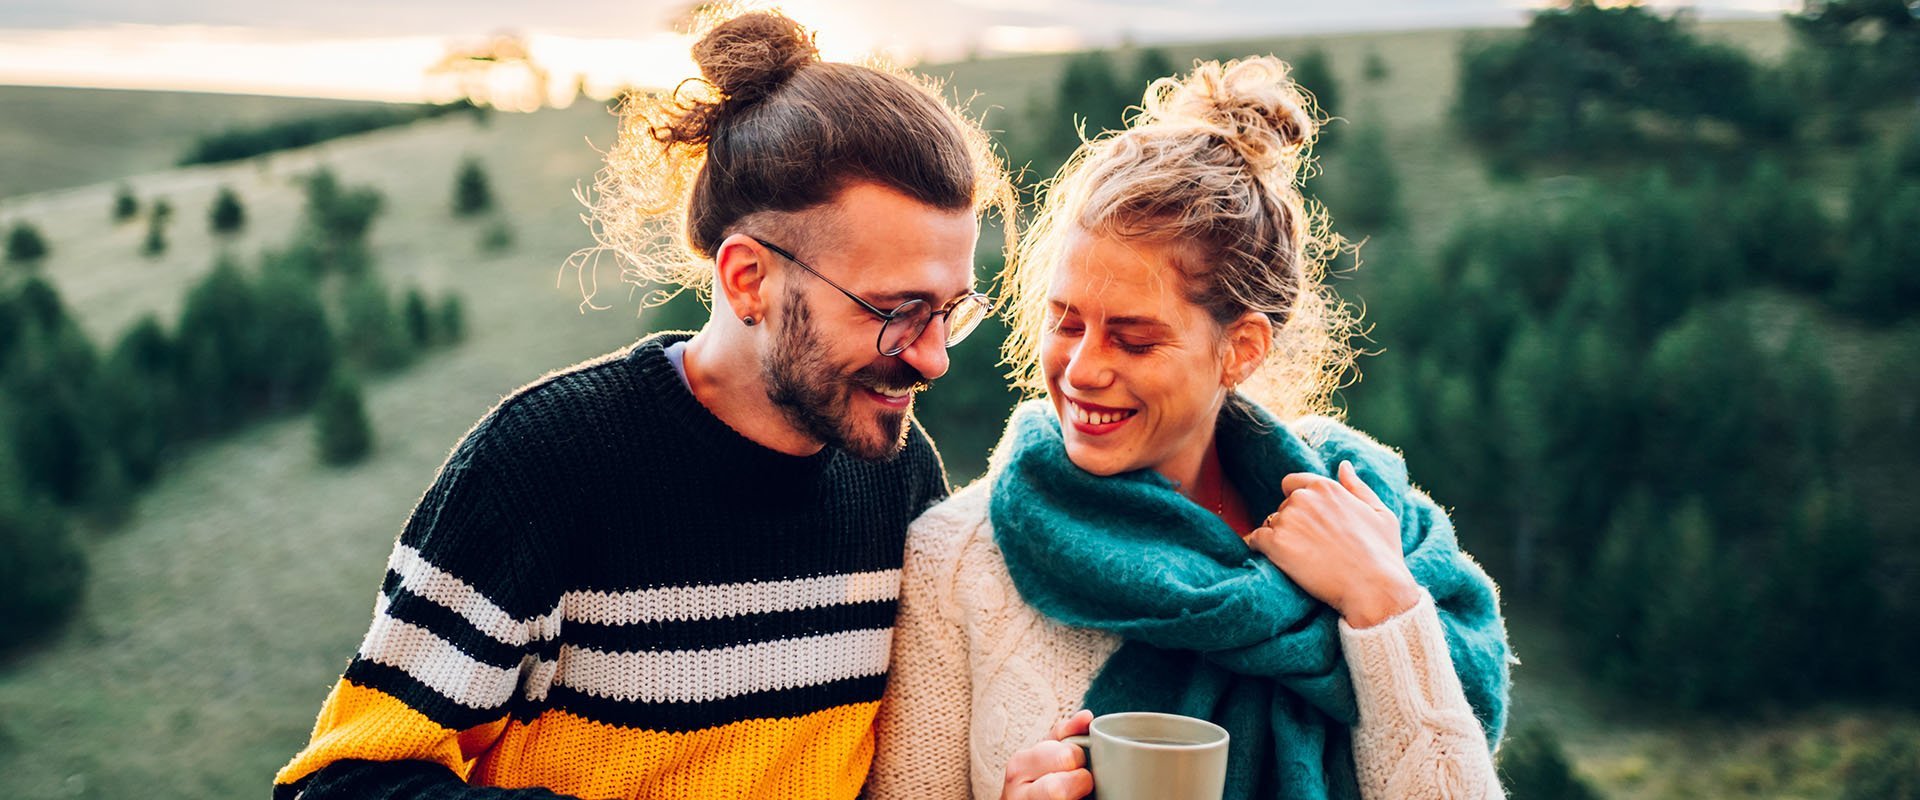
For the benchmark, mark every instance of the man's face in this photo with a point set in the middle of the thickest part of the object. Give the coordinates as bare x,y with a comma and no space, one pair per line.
823,369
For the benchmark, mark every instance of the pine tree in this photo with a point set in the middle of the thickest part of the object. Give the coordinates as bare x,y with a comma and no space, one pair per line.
1089,97
1313,73
1580,78
496,237
52,380
1781,233
342,433
295,343
1152,65
418,320
155,243
217,349
450,319
43,570
1533,766
141,372
370,330
339,218
1375,69
472,193
125,205
1367,187
1881,282
25,245
1688,654
226,216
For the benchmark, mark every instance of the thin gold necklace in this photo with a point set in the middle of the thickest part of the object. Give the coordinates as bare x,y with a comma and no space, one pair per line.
1219,487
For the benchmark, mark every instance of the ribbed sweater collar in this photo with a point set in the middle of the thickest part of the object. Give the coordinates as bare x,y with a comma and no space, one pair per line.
678,408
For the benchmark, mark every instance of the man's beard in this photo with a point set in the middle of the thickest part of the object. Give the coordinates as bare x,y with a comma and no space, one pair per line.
813,395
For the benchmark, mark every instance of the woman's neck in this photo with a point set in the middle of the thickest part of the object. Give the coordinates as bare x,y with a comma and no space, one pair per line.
1209,488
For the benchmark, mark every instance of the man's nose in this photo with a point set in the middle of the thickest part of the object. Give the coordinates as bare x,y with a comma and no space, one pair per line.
928,354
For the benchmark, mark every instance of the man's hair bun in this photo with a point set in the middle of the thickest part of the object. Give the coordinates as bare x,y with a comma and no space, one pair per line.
742,61
749,56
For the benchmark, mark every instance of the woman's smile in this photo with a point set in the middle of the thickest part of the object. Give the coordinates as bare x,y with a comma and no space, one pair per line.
1097,420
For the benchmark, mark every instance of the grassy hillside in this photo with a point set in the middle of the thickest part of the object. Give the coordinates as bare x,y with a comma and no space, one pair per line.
55,138
218,617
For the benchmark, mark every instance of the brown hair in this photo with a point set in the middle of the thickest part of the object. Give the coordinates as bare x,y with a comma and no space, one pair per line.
769,127
1211,164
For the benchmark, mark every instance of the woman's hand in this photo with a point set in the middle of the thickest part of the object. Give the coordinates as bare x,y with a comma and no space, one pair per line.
1341,545
1051,769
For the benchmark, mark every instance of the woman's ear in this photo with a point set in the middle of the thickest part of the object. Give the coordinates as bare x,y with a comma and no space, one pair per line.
740,267
1247,341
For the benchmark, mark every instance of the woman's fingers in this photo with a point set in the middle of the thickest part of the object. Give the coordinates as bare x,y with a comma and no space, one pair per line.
1052,769
1045,758
1295,481
1072,726
1070,785
1350,478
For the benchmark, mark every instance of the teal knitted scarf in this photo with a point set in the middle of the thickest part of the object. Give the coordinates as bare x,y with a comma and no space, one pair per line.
1212,629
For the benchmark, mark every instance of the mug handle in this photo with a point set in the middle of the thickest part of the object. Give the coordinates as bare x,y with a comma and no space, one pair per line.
1085,743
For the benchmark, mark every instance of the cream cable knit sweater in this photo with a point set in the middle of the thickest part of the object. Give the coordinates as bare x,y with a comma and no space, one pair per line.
978,674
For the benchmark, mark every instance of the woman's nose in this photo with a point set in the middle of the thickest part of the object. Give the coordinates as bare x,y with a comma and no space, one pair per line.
1087,367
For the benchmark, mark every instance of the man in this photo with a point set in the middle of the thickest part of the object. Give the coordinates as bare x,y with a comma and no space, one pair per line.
672,571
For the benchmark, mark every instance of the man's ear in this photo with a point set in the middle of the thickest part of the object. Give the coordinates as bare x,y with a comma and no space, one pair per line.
1247,341
740,266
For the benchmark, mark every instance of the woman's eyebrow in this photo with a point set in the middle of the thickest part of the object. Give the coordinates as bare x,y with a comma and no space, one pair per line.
1131,321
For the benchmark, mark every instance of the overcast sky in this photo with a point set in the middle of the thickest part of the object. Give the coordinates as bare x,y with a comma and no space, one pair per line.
339,47
914,19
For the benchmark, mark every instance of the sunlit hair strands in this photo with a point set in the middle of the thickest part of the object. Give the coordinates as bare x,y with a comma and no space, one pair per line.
766,130
1211,163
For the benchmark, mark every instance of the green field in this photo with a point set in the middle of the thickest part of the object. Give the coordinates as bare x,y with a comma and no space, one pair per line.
217,618
56,138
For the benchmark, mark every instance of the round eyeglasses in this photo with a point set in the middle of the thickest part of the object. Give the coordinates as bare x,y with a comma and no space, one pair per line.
902,326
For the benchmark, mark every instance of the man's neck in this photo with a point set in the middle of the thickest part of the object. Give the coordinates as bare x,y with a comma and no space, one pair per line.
724,374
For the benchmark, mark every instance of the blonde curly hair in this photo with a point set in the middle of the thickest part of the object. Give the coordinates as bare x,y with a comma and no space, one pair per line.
1213,163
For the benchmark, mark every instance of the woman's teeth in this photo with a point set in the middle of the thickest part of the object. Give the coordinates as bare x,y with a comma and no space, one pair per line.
1087,417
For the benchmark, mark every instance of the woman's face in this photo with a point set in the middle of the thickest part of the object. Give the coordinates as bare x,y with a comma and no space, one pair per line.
1133,369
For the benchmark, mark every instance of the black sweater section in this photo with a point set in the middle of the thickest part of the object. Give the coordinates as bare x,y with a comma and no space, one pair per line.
610,476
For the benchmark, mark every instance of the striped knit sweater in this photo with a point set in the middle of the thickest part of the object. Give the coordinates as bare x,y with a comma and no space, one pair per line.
607,592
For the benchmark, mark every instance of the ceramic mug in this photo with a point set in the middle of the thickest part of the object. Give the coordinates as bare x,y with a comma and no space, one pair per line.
1145,755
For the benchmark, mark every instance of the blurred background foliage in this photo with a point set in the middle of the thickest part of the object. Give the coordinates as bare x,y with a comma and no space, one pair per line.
1642,299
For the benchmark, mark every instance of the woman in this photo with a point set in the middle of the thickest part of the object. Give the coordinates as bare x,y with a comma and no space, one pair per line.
1149,537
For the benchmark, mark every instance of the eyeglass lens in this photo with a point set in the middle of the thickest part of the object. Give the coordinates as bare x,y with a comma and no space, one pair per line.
912,318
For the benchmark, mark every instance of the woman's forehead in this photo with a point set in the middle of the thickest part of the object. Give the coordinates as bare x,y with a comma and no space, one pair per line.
1119,276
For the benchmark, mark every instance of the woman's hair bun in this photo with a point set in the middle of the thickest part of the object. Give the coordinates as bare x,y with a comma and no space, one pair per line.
1251,104
749,56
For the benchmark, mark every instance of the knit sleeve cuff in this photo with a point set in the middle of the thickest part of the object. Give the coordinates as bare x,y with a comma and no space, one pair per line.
1401,667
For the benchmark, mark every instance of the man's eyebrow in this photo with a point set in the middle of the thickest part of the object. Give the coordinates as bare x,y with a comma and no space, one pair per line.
893,299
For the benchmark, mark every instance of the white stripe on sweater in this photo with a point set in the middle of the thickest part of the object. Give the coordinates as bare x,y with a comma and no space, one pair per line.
682,676
437,663
717,601
421,577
